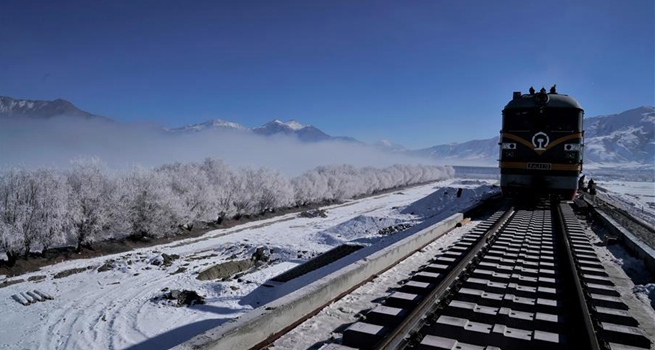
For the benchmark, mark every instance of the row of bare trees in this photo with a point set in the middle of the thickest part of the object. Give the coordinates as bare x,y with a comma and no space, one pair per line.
43,208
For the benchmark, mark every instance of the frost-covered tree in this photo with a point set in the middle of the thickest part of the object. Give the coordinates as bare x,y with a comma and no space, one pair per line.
339,182
244,189
34,210
12,208
10,242
40,208
311,187
343,181
27,192
220,187
271,190
302,190
190,188
53,210
89,201
150,210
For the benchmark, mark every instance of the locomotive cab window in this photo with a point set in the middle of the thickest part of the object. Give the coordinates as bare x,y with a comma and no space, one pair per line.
518,121
564,121
554,120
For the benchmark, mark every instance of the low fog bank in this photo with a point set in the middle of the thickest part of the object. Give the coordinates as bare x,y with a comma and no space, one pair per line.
54,142
458,162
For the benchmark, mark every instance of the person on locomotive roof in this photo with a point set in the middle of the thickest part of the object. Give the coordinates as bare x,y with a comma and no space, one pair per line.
553,90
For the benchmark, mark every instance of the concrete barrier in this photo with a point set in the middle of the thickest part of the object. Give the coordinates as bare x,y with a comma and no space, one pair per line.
264,323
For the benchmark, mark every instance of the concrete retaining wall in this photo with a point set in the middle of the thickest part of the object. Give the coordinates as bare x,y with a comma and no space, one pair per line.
264,322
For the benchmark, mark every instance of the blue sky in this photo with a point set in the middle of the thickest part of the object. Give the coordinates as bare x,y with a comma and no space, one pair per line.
419,73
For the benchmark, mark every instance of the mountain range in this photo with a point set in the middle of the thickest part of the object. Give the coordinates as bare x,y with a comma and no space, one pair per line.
305,133
626,138
39,109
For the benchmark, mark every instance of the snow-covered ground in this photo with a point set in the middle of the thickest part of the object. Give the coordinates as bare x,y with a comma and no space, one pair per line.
637,198
121,308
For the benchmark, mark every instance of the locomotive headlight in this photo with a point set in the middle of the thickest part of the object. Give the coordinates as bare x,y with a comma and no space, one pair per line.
541,98
508,145
572,147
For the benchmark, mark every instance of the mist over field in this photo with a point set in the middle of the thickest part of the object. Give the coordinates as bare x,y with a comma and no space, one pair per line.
56,141
71,181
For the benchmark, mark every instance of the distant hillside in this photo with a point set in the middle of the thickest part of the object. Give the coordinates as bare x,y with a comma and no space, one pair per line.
389,146
624,139
476,152
39,109
304,133
627,139
216,124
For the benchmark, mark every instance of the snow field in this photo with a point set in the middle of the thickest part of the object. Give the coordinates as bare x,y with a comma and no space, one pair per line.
115,309
119,308
638,198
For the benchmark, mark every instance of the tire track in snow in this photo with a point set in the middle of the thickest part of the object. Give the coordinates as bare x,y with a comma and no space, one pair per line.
117,303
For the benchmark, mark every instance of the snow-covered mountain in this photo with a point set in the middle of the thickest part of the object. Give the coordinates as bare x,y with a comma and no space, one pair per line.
11,108
39,109
627,139
388,146
305,133
476,152
215,124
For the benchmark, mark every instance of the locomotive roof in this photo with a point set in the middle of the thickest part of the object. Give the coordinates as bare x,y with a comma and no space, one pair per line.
554,101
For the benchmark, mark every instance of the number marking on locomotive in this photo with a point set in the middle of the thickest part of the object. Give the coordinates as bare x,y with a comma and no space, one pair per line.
539,166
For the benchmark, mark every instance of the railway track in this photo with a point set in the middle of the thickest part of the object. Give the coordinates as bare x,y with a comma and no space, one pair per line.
638,227
527,277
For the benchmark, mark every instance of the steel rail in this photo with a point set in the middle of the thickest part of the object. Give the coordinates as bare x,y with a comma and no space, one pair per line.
416,318
586,315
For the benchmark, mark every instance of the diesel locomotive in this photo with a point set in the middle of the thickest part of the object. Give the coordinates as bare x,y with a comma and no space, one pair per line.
541,145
